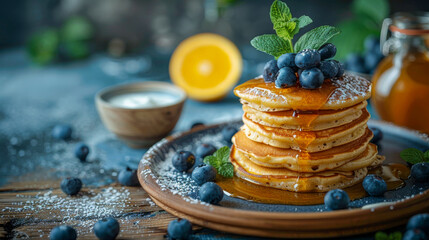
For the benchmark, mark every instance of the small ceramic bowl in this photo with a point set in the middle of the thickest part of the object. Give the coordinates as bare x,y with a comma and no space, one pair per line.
140,126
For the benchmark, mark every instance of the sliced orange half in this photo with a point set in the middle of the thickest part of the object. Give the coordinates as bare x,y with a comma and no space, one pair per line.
206,66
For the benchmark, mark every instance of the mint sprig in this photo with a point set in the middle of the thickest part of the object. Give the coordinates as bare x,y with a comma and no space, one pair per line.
384,236
414,156
220,161
286,28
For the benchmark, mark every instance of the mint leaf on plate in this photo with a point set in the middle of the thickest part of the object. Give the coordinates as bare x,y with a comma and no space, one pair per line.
316,37
220,161
271,44
213,161
222,154
226,170
412,155
426,156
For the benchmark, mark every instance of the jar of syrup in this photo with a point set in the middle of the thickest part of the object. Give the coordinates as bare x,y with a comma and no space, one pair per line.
400,92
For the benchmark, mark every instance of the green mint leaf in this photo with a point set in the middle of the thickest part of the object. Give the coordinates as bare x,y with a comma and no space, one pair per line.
395,235
43,46
304,21
315,38
279,14
271,44
376,10
412,155
426,156
213,161
286,30
226,170
222,154
381,236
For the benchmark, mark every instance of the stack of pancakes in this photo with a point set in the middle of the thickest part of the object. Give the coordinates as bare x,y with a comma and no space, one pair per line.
304,140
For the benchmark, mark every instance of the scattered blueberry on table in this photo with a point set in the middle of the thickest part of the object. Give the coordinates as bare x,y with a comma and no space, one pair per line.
179,229
81,151
336,199
63,232
270,71
183,161
106,229
419,221
414,234
203,174
62,132
228,132
205,149
128,177
420,172
211,193
374,185
71,186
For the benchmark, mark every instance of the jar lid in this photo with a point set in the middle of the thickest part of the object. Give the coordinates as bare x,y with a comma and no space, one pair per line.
410,23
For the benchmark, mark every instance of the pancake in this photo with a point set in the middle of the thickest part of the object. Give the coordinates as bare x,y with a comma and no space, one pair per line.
305,120
268,156
311,141
335,93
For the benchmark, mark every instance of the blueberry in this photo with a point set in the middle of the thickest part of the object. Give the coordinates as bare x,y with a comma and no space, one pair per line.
197,124
328,50
205,149
71,186
228,132
106,229
287,60
356,63
340,67
179,229
372,43
211,193
203,174
128,177
183,161
286,78
374,185
371,61
414,234
81,151
378,135
63,232
420,172
62,132
307,58
420,221
270,71
329,68
337,199
311,78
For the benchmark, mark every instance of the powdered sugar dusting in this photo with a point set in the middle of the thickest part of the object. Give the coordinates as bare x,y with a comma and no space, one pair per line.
349,87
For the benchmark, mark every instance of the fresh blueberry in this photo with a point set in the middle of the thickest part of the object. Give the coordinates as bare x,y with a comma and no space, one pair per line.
414,234
286,78
307,58
420,172
356,63
228,132
183,161
328,50
311,78
372,43
128,177
81,151
378,135
71,186
197,124
270,71
287,60
106,229
374,185
371,61
211,193
340,67
62,132
203,174
329,68
337,199
204,150
420,221
63,232
179,229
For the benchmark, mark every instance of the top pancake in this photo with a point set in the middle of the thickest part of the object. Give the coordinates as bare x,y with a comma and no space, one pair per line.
335,93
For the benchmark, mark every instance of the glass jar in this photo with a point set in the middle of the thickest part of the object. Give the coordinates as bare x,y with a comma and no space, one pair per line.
400,92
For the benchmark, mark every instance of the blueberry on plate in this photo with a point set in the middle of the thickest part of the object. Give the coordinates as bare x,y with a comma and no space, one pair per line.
340,67
329,68
374,185
420,172
62,132
328,50
307,58
287,60
270,71
228,132
336,199
81,151
211,193
183,161
203,174
414,234
71,186
179,229
378,135
311,78
128,177
355,63
106,229
197,124
205,149
420,221
286,78
63,232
